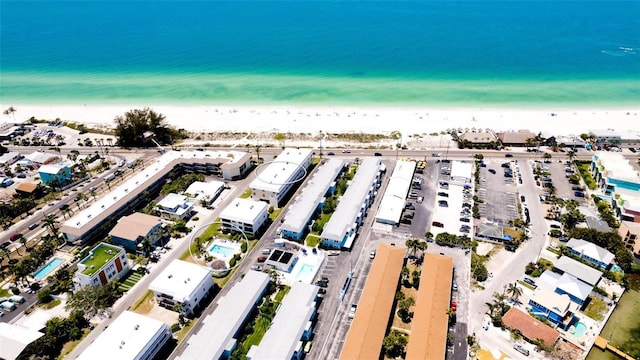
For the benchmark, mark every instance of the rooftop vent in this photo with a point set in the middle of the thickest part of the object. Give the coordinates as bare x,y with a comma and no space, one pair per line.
170,276
136,327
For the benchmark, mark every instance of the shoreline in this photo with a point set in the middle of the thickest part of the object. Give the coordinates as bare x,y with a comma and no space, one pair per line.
346,119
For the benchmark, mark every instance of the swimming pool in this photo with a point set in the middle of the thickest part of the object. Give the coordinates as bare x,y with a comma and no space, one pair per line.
306,273
225,251
47,268
580,328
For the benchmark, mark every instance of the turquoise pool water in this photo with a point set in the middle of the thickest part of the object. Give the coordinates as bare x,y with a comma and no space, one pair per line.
305,273
222,250
47,268
580,329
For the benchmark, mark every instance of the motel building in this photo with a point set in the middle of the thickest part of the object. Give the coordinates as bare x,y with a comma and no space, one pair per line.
248,216
273,182
182,283
104,263
130,336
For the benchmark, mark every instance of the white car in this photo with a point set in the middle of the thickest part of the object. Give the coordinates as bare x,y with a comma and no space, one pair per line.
372,254
352,311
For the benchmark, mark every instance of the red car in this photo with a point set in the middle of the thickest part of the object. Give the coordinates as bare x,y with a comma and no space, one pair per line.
454,305
262,258
15,236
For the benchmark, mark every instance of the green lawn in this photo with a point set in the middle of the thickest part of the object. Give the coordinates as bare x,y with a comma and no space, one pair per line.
623,328
100,255
131,279
312,240
585,172
596,309
274,214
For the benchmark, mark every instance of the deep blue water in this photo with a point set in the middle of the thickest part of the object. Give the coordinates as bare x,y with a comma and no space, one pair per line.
95,44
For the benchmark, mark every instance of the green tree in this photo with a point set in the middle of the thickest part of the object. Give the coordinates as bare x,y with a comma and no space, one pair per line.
131,128
50,222
92,299
394,344
514,290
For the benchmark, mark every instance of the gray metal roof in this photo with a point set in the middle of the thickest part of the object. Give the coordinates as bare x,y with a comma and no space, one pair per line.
287,327
393,200
219,327
583,272
299,214
348,209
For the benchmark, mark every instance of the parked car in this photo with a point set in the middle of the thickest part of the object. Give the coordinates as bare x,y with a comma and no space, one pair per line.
437,224
508,155
262,258
443,194
33,226
492,171
578,193
372,254
443,203
377,154
410,206
519,348
352,311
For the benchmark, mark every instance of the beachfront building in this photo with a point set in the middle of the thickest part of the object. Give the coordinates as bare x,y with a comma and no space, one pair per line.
340,231
273,182
531,328
129,336
590,252
393,200
290,327
104,263
479,139
517,138
547,304
96,220
216,337
364,339
175,206
9,131
205,193
245,215
134,231
182,283
429,326
608,137
55,173
630,234
9,158
295,224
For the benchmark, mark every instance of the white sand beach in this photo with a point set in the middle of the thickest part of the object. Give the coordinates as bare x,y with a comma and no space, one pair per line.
313,119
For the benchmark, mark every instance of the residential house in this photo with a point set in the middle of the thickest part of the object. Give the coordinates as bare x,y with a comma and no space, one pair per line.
55,173
590,252
205,193
175,206
530,327
552,306
134,231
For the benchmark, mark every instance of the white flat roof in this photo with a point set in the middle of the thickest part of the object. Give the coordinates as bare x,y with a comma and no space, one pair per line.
53,168
219,327
180,279
351,202
299,214
244,210
14,338
125,338
173,201
109,203
288,325
552,300
201,188
279,173
392,203
461,169
617,166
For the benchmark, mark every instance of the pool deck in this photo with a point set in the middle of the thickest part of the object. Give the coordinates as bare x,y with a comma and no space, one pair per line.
314,260
224,243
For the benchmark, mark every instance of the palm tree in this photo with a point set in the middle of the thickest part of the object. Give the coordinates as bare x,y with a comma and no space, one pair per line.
413,245
515,291
404,273
10,111
50,222
4,254
93,194
428,235
82,197
258,147
23,241
571,155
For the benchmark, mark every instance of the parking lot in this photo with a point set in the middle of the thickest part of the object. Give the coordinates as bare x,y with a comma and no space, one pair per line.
418,208
559,173
498,192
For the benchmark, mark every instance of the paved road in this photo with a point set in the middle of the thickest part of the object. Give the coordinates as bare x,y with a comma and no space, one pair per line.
512,268
178,247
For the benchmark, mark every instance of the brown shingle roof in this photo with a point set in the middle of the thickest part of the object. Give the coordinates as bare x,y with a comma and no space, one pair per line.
530,327
515,137
364,340
27,187
428,339
479,137
134,225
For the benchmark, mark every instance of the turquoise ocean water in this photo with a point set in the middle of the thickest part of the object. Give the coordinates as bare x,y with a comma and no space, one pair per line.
432,53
